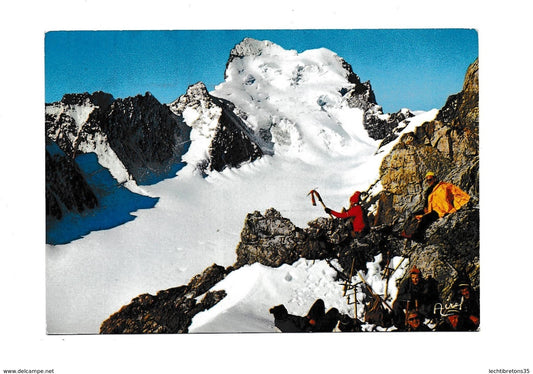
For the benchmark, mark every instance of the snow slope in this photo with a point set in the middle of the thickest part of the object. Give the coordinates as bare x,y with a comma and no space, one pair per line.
319,142
254,289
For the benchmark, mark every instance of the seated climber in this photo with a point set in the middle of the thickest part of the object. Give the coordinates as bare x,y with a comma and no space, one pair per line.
415,294
440,199
349,324
454,320
316,320
356,213
286,322
415,323
468,300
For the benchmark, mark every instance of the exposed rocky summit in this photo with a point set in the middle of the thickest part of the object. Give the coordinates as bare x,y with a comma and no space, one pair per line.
377,124
65,119
146,138
97,99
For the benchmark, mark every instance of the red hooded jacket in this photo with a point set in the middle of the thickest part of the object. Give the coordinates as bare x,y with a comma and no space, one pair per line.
355,211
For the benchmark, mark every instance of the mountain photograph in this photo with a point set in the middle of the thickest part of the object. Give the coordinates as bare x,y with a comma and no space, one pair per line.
228,207
246,188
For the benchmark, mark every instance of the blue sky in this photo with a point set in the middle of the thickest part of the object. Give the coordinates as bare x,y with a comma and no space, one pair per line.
410,68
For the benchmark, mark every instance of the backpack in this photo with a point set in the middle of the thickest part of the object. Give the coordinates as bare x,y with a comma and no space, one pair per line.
376,314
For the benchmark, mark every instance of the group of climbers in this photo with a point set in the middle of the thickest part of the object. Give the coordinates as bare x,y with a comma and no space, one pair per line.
418,299
417,307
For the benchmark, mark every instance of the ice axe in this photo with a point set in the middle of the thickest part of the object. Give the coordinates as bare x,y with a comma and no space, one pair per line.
315,195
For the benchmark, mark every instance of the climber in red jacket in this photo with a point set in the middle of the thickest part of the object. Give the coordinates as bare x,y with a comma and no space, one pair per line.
356,213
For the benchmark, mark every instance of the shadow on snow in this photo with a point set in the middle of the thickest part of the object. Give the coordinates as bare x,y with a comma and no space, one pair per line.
116,204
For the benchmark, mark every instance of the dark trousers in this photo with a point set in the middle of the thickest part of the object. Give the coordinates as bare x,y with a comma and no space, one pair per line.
414,229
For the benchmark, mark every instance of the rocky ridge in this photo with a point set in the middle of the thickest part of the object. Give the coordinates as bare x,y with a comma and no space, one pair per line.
229,141
143,136
169,311
137,139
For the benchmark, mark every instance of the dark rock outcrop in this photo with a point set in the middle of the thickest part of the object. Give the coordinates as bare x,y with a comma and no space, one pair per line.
376,123
98,99
66,187
271,240
169,311
146,136
233,143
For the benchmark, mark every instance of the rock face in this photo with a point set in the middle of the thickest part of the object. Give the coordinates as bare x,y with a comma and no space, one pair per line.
66,187
143,135
169,311
146,136
271,240
449,146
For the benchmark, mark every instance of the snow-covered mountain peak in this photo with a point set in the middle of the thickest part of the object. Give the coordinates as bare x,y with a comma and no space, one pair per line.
253,61
303,102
